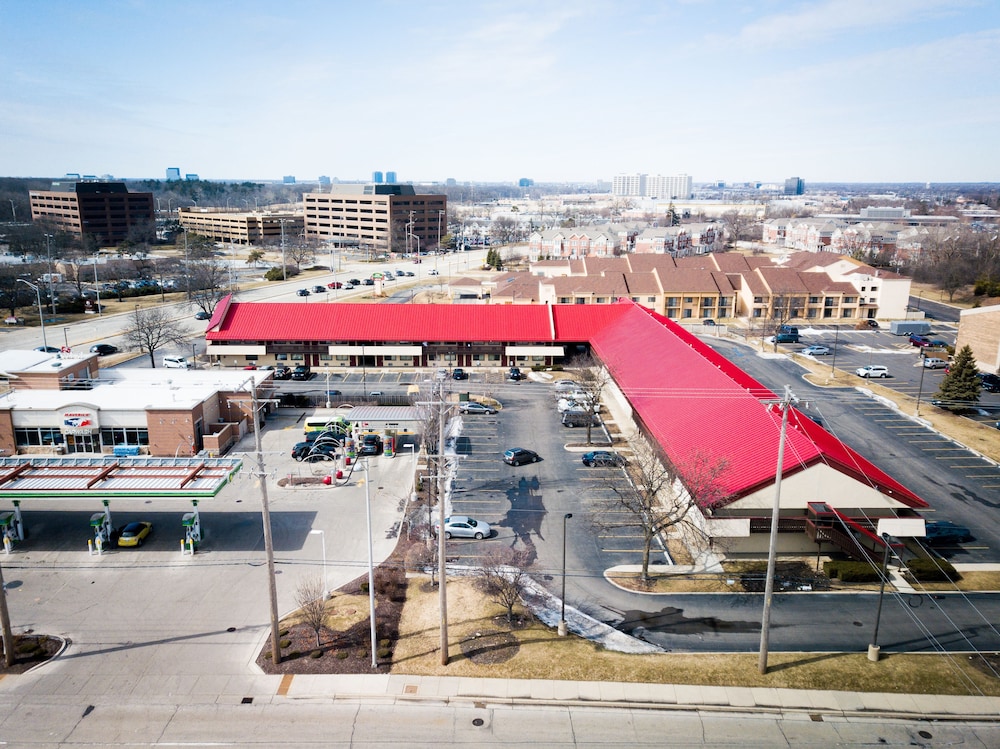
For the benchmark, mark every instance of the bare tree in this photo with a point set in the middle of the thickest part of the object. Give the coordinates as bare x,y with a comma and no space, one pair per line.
300,253
737,225
503,577
310,597
660,496
207,279
149,330
593,378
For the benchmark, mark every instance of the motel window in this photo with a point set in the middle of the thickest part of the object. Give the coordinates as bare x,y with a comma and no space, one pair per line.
325,357
298,357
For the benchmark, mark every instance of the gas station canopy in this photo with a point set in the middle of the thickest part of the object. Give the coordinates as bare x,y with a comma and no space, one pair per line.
44,478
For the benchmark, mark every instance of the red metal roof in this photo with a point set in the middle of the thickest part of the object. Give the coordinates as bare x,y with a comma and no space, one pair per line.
697,404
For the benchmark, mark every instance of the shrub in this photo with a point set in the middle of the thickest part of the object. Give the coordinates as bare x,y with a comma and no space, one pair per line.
383,653
342,654
316,654
284,643
850,572
932,570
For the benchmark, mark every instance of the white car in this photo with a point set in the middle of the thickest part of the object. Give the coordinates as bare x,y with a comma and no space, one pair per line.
815,351
175,362
432,272
565,386
462,526
471,407
872,370
932,363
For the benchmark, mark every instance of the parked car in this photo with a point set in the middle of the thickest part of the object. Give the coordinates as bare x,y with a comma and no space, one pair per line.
708,322
175,362
578,417
815,351
784,338
931,363
371,444
103,349
313,450
301,372
516,456
565,386
303,292
471,407
202,315
282,372
938,343
515,374
989,382
867,324
872,370
459,374
441,374
919,340
603,458
462,526
946,532
135,534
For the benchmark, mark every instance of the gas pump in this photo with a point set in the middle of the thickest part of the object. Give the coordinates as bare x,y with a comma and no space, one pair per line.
10,529
350,450
100,524
389,447
191,522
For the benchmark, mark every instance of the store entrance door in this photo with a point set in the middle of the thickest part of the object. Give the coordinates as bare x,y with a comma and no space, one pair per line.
79,443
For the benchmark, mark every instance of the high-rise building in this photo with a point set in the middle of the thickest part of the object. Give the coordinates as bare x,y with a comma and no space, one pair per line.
795,186
103,210
677,187
384,218
629,185
377,178
390,178
173,173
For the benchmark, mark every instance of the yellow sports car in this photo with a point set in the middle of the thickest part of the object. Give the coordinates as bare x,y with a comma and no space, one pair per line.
135,534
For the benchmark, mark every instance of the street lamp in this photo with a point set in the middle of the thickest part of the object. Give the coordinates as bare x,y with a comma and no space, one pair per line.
873,649
322,540
97,288
562,610
48,255
41,311
284,268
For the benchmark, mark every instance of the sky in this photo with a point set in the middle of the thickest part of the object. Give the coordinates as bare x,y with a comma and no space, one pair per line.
578,91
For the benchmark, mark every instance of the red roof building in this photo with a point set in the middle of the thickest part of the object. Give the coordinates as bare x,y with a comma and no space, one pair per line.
690,401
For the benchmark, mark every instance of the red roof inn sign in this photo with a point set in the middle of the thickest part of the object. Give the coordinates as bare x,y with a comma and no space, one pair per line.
79,421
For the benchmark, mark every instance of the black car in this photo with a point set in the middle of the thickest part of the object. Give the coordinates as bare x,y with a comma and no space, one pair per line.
49,349
515,374
603,458
103,349
369,282
319,289
303,292
355,281
371,444
282,373
518,456
312,451
202,315
301,372
989,382
459,374
946,532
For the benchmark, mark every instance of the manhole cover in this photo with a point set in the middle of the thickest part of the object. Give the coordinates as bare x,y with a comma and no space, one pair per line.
478,722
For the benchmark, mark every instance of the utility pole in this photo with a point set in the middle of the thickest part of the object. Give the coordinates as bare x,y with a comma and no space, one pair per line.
442,568
785,403
266,518
8,634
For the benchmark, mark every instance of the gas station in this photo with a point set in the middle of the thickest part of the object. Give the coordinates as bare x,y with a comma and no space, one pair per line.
110,478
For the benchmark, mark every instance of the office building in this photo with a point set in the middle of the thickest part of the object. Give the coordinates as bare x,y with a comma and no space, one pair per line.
795,186
105,211
383,218
173,173
247,228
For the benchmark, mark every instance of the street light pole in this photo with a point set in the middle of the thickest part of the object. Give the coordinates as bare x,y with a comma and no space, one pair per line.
873,649
41,311
920,387
284,267
97,288
562,609
48,255
322,540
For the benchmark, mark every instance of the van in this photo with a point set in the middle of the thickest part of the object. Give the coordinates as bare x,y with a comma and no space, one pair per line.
579,419
175,362
789,329
786,338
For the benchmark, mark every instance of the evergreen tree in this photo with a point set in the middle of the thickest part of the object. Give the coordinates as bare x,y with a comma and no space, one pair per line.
960,387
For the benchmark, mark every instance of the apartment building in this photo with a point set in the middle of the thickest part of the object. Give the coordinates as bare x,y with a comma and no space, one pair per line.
250,228
106,211
382,217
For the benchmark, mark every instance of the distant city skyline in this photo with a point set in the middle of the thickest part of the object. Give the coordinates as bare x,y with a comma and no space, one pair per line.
826,90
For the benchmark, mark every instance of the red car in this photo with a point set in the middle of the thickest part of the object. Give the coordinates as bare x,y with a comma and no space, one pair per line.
335,285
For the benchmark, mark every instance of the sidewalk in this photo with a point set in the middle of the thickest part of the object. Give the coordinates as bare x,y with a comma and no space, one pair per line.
513,692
